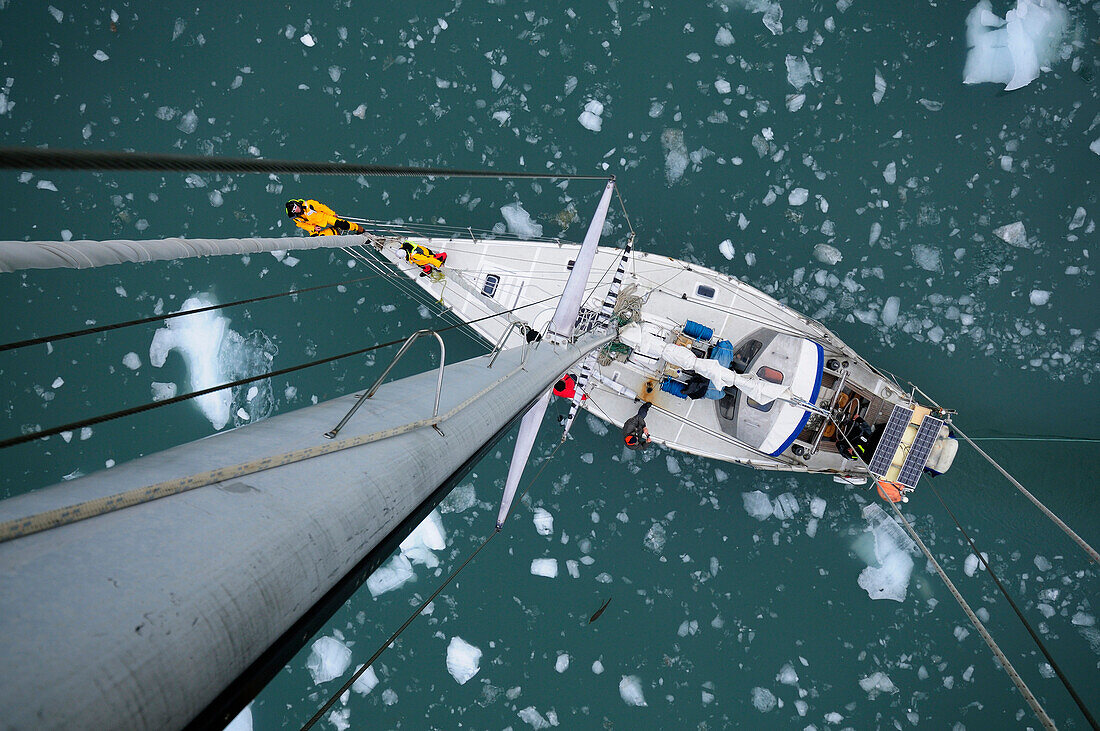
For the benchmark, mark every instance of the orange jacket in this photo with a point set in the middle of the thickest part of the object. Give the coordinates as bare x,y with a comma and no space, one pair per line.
317,219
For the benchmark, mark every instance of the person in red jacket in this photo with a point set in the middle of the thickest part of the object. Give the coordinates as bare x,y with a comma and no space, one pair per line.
566,387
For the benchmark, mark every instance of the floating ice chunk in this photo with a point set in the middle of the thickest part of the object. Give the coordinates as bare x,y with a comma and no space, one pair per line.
880,88
795,102
1081,619
199,339
46,185
590,121
890,174
630,688
827,254
57,14
597,667
722,38
890,311
427,537
1078,219
1013,51
562,663
365,683
496,79
189,122
688,627
877,683
501,117
817,507
334,73
833,717
811,527
389,696
533,718
1095,146
100,56
798,72
328,659
391,575
655,537
798,196
573,568
930,104
1042,563
722,86
308,40
672,464
1013,233
787,675
547,567
463,660
890,578
786,505
970,563
519,221
926,257
544,522
876,233
216,198
757,504
360,111
162,391
726,248
676,154
1039,297
58,382
763,699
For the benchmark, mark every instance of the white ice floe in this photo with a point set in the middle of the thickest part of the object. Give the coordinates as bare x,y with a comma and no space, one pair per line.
427,537
785,506
547,567
889,579
722,38
163,391
1078,219
890,173
795,102
798,72
817,507
496,79
1013,233
763,699
328,659
1043,563
798,196
131,361
757,504
655,537
463,660
592,116
100,56
46,185
726,249
198,338
827,254
787,675
562,663
676,154
890,311
630,688
1039,297
544,522
1013,51
57,14
880,88
722,86
390,575
533,718
926,258
308,40
877,683
365,683
597,667
1095,145
971,563
519,221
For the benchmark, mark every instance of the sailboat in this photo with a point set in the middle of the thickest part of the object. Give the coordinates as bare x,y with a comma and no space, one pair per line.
730,373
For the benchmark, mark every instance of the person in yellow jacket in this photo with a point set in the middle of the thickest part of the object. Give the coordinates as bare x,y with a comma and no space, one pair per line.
423,257
318,219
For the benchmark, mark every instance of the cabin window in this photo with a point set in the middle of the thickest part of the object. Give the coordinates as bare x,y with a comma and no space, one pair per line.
572,263
745,354
771,375
702,290
490,287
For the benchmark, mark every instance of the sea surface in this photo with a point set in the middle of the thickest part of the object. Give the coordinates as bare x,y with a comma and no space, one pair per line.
749,136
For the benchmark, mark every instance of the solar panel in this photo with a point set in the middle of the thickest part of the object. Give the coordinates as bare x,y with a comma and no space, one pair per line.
891,438
919,451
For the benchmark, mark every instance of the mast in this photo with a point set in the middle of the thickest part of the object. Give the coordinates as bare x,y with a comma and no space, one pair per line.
177,610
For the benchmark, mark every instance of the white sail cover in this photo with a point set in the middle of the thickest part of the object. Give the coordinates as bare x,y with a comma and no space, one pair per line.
565,317
754,387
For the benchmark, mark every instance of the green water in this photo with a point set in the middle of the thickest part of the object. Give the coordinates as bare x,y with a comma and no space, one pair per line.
762,595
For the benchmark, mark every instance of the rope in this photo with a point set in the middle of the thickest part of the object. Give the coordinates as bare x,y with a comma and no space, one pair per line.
625,214
17,158
30,437
157,318
1004,592
416,613
1046,511
1012,674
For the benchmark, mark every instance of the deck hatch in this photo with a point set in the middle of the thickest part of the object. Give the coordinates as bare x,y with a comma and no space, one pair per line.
891,438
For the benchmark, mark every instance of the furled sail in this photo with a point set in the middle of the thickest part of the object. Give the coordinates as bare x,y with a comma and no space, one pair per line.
561,329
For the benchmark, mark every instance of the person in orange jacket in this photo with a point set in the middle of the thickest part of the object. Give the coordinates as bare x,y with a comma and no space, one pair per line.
318,219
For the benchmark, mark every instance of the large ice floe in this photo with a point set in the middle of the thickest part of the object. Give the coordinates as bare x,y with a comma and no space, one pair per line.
328,659
417,548
463,660
1012,51
890,562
